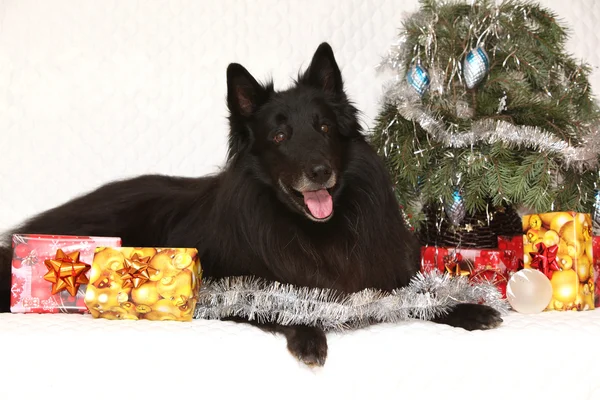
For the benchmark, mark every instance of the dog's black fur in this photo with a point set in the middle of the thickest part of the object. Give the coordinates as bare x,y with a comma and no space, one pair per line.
250,219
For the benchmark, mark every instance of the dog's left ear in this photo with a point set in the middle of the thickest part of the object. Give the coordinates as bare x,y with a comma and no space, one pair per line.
323,72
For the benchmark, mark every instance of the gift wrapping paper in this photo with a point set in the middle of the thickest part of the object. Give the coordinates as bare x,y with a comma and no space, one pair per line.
50,272
144,283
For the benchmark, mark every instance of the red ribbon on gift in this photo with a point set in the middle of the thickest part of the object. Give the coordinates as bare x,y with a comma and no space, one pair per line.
491,274
545,259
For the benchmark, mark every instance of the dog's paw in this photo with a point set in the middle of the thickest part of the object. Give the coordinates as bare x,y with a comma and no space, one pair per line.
308,344
471,317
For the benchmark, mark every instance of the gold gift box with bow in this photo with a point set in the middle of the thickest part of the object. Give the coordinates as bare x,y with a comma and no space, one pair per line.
144,283
559,244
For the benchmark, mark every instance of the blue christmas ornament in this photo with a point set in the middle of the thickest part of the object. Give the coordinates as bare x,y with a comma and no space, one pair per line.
475,67
418,78
596,213
456,211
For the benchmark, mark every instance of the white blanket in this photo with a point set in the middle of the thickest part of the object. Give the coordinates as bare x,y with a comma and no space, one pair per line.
552,355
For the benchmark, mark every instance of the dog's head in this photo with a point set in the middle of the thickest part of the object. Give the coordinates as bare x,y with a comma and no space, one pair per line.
294,140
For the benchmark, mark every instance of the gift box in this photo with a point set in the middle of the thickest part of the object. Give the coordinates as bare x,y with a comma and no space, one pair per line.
560,245
512,249
596,251
479,265
144,283
50,272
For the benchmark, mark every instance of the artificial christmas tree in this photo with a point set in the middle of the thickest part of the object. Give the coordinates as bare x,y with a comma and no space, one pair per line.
488,114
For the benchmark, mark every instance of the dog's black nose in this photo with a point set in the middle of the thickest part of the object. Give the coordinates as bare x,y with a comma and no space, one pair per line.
320,173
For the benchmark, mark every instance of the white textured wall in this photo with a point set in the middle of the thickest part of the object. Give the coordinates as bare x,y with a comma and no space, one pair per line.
92,91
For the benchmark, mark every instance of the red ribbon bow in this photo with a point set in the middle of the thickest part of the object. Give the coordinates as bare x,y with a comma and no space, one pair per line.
545,259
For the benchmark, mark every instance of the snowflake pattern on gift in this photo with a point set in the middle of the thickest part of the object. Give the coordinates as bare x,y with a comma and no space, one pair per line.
31,259
494,257
55,245
49,304
17,288
31,302
427,265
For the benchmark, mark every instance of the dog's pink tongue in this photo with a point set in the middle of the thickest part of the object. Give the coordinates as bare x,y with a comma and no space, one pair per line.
319,203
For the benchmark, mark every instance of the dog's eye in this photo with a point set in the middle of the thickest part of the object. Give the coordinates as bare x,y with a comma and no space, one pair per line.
279,137
324,128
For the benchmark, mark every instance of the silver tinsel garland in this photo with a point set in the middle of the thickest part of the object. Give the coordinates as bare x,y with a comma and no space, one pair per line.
427,296
488,131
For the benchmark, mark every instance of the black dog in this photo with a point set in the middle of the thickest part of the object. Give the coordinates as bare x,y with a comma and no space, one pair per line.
303,199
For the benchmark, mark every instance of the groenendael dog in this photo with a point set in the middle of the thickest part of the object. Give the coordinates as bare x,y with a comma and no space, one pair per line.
303,199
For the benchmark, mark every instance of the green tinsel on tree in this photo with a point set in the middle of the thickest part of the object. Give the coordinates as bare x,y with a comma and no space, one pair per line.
524,136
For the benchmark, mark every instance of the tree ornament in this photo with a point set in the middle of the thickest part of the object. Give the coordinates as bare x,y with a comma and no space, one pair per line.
529,291
456,211
596,213
464,110
475,67
418,78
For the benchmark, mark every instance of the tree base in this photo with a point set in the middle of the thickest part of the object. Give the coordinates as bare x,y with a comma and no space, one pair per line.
479,230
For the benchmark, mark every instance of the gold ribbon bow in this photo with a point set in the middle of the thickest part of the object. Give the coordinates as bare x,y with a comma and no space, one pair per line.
66,272
136,271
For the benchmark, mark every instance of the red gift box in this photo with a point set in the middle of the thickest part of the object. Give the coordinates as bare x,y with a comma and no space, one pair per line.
596,252
512,247
42,264
479,265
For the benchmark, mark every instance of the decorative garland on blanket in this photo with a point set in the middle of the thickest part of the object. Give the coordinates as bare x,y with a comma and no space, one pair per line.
427,296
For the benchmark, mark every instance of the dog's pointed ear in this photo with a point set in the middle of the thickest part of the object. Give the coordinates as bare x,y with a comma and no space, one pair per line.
323,71
244,93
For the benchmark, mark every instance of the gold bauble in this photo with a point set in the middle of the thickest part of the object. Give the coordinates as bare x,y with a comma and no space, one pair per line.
565,261
572,232
109,315
123,313
583,222
163,310
176,289
558,305
557,220
562,247
182,260
536,235
589,249
575,249
143,252
142,309
583,269
101,299
565,286
145,294
551,238
535,222
163,261
106,261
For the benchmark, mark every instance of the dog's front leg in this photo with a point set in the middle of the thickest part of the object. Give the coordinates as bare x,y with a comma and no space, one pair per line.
471,317
307,343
